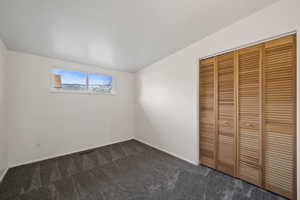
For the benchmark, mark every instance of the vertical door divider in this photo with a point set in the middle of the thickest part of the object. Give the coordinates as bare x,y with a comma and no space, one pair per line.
236,113
216,110
261,120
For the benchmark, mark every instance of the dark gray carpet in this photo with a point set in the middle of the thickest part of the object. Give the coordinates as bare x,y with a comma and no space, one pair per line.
127,170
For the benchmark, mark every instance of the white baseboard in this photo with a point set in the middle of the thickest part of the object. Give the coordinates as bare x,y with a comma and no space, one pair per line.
65,154
172,154
3,174
94,147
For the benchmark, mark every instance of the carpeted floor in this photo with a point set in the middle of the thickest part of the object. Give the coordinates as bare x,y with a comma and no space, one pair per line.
127,170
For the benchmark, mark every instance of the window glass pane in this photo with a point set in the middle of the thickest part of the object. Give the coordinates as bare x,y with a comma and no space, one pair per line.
100,83
69,80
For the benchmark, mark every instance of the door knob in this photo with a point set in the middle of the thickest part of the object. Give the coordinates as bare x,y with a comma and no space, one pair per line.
249,125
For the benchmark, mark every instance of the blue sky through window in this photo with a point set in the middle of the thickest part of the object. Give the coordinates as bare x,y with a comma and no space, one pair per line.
97,79
71,77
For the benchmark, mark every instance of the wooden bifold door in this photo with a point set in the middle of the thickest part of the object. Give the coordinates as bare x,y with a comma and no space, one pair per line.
247,116
225,132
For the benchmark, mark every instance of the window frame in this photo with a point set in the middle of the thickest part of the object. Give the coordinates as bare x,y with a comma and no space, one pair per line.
87,91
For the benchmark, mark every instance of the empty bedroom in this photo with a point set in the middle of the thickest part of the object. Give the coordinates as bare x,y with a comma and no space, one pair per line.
149,100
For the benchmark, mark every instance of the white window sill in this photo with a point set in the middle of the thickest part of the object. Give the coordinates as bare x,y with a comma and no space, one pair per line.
53,90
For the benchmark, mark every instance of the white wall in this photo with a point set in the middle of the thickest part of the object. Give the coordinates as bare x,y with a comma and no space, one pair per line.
167,91
3,130
44,124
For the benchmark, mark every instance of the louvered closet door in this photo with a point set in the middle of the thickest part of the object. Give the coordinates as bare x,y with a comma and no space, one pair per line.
225,115
207,119
279,116
249,114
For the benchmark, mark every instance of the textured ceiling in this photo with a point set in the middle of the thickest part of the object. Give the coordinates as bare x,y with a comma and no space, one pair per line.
125,35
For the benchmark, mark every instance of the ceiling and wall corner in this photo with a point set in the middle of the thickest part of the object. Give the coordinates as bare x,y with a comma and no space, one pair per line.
123,35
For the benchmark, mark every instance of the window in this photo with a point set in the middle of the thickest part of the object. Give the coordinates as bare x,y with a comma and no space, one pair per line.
69,80
66,80
99,83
